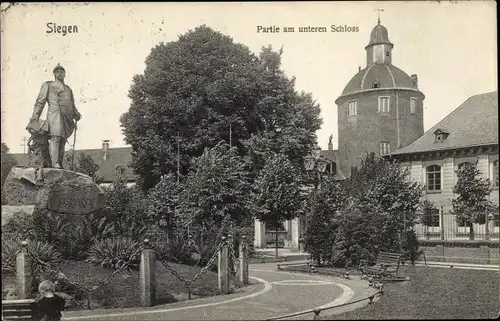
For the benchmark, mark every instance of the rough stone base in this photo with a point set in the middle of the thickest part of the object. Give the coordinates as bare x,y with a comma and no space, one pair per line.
8,211
58,190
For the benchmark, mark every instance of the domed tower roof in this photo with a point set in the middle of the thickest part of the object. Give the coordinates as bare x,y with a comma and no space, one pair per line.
379,35
383,76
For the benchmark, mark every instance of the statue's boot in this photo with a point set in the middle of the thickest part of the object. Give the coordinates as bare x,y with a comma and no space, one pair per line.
54,152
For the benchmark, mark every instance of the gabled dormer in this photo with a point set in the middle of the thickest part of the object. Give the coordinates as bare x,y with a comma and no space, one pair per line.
440,135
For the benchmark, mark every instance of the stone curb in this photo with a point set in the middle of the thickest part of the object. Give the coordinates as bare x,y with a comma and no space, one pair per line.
355,283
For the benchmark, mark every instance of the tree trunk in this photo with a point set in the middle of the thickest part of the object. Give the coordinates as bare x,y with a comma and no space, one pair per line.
276,238
471,231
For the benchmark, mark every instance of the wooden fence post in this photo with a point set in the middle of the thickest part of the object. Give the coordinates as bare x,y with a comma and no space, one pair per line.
147,276
243,260
223,265
24,278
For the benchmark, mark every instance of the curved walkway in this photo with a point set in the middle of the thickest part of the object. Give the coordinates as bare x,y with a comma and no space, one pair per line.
280,293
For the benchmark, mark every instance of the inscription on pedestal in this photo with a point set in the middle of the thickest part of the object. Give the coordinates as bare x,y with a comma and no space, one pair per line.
76,200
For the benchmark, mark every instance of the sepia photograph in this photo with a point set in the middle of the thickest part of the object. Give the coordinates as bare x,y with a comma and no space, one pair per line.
286,160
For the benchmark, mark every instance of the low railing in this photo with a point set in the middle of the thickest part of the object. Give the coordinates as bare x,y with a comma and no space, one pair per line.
317,311
445,226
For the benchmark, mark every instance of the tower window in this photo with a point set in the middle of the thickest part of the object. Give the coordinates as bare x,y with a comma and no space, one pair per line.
413,105
352,108
385,148
387,54
375,84
383,104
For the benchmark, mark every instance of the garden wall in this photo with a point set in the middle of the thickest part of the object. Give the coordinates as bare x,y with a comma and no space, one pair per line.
462,251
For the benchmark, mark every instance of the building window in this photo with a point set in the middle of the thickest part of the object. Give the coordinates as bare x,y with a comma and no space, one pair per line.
495,173
385,148
383,104
375,84
120,170
496,220
431,218
434,178
331,168
387,53
352,108
413,105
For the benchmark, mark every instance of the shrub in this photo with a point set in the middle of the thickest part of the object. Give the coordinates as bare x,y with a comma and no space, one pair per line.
71,235
113,253
21,226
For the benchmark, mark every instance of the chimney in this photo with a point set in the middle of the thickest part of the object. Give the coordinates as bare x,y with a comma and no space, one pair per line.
105,148
359,68
415,80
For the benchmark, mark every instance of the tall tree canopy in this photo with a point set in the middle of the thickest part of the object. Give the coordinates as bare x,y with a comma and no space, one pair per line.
7,162
198,89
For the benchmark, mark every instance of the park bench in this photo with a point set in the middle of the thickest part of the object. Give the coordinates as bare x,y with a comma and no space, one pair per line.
386,264
18,309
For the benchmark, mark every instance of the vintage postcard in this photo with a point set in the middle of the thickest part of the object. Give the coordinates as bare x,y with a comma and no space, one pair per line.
178,161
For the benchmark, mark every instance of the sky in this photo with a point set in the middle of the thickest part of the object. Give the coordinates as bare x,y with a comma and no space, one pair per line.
450,46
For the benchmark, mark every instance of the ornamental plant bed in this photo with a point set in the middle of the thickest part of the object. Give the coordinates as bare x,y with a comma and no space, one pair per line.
434,293
123,290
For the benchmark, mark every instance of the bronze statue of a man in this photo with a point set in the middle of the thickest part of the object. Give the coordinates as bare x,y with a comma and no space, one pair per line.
61,114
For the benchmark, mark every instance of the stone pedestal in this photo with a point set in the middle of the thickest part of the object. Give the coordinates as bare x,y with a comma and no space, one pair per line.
295,234
260,234
24,277
243,261
58,190
223,268
147,276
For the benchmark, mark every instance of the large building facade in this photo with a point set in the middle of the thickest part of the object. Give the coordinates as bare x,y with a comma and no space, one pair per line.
468,134
381,107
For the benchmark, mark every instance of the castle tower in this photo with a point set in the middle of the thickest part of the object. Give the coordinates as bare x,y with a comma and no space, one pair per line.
380,109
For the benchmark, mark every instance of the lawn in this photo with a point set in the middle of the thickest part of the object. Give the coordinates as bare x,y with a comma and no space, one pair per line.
435,293
123,290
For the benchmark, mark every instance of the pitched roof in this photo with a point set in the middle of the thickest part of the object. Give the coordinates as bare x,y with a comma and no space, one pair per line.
115,157
474,123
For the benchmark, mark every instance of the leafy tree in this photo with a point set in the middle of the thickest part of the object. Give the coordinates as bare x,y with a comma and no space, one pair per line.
217,186
380,200
163,201
125,210
277,194
87,166
8,162
322,218
472,204
204,88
